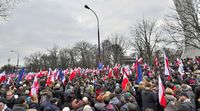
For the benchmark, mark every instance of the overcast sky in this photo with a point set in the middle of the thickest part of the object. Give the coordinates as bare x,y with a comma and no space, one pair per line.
40,24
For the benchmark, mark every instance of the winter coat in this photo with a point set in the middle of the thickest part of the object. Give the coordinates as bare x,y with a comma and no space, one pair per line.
149,99
170,99
51,107
116,101
58,93
10,103
99,106
34,106
19,107
109,107
130,107
186,106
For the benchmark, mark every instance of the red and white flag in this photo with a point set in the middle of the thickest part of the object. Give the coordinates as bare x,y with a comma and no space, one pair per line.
3,76
35,87
124,82
161,95
180,68
166,64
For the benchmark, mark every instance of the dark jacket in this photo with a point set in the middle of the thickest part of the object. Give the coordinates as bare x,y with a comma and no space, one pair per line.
130,107
18,107
34,106
10,103
186,106
149,99
51,107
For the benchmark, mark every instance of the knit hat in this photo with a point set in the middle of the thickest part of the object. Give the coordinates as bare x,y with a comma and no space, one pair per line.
169,91
57,86
87,108
127,96
66,109
85,100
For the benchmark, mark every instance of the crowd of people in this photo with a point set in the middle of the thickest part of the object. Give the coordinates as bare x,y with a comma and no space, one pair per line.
94,92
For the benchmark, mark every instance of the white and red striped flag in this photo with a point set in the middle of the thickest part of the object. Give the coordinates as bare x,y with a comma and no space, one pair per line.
166,64
161,95
124,82
2,76
35,87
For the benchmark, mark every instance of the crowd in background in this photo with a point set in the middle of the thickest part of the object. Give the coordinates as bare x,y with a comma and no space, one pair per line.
97,92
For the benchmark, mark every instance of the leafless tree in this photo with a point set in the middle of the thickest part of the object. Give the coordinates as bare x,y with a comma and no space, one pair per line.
145,38
86,56
33,61
6,6
106,52
118,48
183,24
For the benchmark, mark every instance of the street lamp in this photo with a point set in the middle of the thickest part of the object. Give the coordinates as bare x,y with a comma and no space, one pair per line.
99,57
17,57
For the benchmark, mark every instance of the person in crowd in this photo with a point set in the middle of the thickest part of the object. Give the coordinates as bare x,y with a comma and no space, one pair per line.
53,106
34,102
3,106
170,99
20,104
10,98
184,103
130,103
149,98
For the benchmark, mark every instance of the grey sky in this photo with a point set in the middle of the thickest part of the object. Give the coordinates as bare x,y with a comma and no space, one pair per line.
40,24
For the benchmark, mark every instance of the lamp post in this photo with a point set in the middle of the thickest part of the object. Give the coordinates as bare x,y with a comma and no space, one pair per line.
17,57
98,34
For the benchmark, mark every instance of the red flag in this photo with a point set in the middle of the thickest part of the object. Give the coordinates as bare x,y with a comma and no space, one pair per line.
72,75
3,76
162,99
110,73
124,82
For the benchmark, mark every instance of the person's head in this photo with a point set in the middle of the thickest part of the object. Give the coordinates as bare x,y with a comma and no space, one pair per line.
2,103
183,97
87,108
34,99
9,95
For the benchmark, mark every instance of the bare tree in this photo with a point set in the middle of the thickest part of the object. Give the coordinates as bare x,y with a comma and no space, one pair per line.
33,62
53,57
183,25
118,48
86,54
6,6
106,52
145,38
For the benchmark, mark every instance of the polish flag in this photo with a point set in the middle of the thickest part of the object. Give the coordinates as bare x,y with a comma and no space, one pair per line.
35,87
124,82
162,99
3,76
166,65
